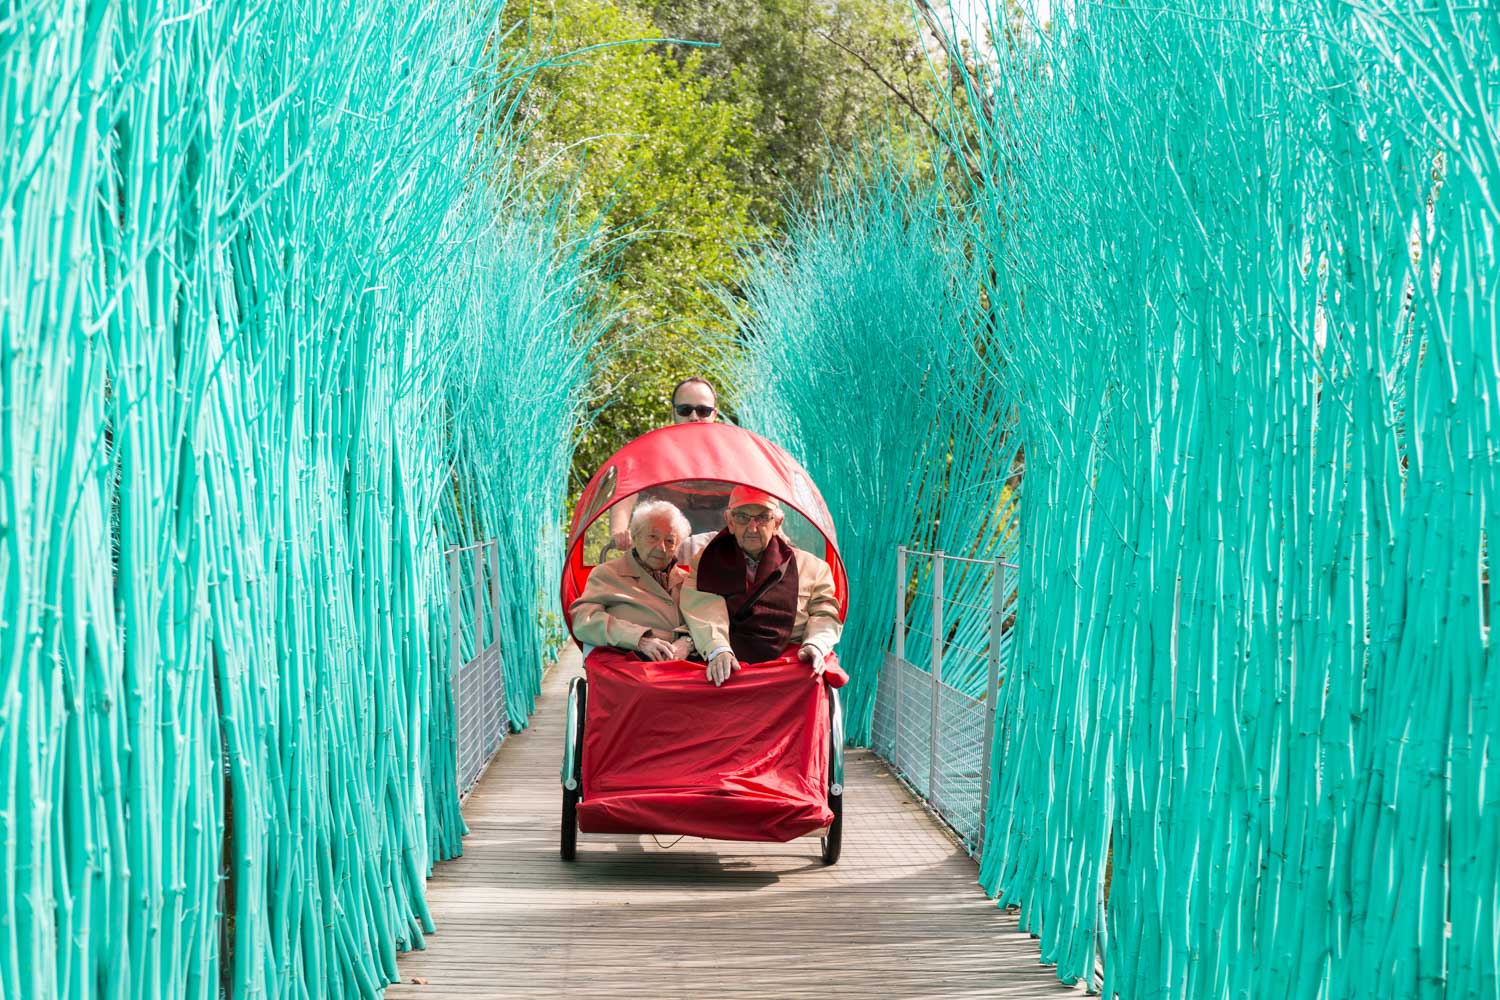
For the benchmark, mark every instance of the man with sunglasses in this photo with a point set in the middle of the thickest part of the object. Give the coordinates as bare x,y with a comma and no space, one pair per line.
693,402
750,595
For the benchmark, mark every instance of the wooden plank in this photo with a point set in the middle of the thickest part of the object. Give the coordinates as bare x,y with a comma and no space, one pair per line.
900,915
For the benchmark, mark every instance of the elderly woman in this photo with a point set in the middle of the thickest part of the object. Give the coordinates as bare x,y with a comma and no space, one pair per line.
631,602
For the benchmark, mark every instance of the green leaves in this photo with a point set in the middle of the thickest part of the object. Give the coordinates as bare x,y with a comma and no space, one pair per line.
687,154
655,159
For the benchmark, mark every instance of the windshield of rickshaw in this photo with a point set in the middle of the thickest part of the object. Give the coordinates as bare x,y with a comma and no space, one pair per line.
703,503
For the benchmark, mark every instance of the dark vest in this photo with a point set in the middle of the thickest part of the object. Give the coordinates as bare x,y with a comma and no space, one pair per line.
760,616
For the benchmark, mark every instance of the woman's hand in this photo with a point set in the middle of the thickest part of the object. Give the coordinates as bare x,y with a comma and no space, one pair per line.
653,648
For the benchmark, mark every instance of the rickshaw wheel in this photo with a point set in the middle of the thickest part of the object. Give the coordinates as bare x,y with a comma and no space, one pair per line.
569,845
833,840
570,824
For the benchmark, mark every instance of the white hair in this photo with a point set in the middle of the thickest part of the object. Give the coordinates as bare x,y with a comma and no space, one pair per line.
656,511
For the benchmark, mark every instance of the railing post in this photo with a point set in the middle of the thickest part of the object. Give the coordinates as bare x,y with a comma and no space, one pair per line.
900,644
991,692
901,602
503,726
494,551
479,601
937,674
455,662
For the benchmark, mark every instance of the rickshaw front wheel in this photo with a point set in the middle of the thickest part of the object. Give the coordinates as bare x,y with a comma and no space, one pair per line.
833,840
572,772
570,824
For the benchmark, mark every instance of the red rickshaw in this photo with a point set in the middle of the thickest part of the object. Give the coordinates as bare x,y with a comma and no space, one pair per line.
654,747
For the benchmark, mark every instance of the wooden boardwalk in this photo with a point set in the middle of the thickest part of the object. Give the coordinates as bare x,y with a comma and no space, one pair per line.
898,916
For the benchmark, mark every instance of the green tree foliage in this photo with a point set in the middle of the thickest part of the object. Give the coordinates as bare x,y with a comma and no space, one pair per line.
820,77
689,152
658,158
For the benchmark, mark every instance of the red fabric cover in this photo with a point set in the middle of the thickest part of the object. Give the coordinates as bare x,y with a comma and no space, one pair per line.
666,752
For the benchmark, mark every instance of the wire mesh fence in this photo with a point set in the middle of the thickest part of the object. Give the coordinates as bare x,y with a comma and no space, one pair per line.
477,667
934,718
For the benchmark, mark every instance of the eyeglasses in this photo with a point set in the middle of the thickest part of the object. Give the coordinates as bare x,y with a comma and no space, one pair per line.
688,409
743,519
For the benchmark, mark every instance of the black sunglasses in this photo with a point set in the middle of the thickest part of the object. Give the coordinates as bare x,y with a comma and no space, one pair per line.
688,409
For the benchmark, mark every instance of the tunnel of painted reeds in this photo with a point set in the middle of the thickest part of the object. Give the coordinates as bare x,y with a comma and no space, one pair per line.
1175,322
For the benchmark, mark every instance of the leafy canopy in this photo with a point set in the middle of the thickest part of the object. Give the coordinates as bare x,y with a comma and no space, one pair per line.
687,153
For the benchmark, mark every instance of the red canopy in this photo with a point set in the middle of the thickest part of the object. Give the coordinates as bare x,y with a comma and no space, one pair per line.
698,453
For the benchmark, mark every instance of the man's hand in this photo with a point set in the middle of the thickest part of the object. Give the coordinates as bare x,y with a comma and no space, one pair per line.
813,655
653,648
622,539
721,666
682,648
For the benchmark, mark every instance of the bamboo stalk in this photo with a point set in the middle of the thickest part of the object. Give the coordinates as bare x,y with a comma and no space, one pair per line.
244,267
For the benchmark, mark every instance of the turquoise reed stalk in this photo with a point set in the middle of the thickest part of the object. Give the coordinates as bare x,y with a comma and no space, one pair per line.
238,313
862,353
1246,314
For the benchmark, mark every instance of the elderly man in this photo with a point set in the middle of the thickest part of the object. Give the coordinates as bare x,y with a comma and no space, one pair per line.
750,594
631,602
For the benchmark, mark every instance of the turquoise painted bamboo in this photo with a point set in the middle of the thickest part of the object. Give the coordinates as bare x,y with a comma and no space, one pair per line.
1239,272
862,353
1245,266
255,279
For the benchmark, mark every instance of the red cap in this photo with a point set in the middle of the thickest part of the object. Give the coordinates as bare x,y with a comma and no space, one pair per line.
746,496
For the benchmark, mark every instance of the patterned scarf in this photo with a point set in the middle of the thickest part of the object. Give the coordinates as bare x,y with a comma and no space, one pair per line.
762,609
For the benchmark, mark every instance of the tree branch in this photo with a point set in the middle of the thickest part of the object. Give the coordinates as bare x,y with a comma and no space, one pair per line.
905,97
901,95
950,46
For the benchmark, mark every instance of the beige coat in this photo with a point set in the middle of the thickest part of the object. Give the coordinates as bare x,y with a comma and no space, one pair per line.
817,623
622,602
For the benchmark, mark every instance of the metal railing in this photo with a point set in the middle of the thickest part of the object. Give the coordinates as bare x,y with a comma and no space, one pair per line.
935,707
479,717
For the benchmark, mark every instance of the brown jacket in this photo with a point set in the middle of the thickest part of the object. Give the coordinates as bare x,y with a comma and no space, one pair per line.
622,602
817,623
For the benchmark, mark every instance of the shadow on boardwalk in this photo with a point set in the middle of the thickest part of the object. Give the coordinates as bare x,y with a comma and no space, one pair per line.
898,916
